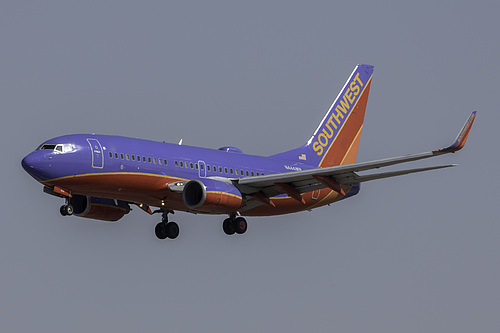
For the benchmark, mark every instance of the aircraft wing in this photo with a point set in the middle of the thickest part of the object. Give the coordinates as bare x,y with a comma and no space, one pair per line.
293,183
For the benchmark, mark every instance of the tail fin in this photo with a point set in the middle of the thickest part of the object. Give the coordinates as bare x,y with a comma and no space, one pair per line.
336,140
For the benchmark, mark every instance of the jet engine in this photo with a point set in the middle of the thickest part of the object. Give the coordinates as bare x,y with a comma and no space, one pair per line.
98,208
211,196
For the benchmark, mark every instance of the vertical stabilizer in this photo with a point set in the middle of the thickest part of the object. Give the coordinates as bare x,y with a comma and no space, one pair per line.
336,140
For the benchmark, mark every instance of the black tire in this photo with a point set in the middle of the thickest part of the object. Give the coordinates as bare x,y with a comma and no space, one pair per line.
62,210
172,230
66,210
161,230
228,227
240,225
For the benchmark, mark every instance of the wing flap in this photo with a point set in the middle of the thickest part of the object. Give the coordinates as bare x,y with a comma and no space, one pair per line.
354,178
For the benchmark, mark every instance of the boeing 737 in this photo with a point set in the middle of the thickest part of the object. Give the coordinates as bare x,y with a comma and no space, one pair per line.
101,176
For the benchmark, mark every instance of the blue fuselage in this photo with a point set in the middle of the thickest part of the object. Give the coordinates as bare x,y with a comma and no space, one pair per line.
87,154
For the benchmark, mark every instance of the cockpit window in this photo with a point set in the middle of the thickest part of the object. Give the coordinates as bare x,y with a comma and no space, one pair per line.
47,147
60,148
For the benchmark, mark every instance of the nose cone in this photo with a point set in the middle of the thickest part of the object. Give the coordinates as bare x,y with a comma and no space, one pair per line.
27,162
34,164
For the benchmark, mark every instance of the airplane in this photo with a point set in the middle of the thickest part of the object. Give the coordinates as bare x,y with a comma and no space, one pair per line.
101,176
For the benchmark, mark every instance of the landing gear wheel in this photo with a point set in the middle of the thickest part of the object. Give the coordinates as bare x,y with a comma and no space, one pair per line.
161,230
166,229
228,226
240,225
172,230
66,210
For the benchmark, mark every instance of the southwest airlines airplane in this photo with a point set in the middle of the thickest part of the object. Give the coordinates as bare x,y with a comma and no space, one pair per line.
100,176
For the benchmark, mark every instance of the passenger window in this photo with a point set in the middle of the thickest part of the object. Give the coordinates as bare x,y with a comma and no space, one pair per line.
176,163
128,157
186,164
242,173
246,173
116,155
208,167
110,155
121,156
191,165
225,170
220,169
160,161
165,162
133,157
202,167
182,164
196,166
231,171
154,160
252,173
144,159
237,172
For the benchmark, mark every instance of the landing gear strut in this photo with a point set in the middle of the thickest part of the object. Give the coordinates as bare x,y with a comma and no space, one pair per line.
234,225
166,229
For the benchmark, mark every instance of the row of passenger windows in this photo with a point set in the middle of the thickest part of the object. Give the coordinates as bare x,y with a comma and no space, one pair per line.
216,169
187,165
138,158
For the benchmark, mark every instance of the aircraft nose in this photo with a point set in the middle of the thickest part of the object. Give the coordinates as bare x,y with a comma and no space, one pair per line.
28,162
33,164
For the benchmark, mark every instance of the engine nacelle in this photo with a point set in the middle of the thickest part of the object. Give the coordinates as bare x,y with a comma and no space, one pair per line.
99,208
211,196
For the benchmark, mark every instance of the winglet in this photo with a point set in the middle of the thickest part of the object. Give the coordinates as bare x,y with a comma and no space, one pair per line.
459,142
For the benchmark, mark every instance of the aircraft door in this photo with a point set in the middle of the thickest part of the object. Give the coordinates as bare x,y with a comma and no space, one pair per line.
97,154
202,169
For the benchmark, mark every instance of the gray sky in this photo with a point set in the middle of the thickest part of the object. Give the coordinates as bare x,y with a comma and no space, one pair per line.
419,253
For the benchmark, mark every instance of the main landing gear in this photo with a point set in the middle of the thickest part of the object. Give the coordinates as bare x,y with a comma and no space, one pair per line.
234,225
166,229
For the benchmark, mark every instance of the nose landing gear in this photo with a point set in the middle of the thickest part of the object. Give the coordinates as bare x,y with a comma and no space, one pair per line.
66,210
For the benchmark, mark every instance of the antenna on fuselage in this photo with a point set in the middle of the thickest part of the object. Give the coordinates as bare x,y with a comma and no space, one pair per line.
180,142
